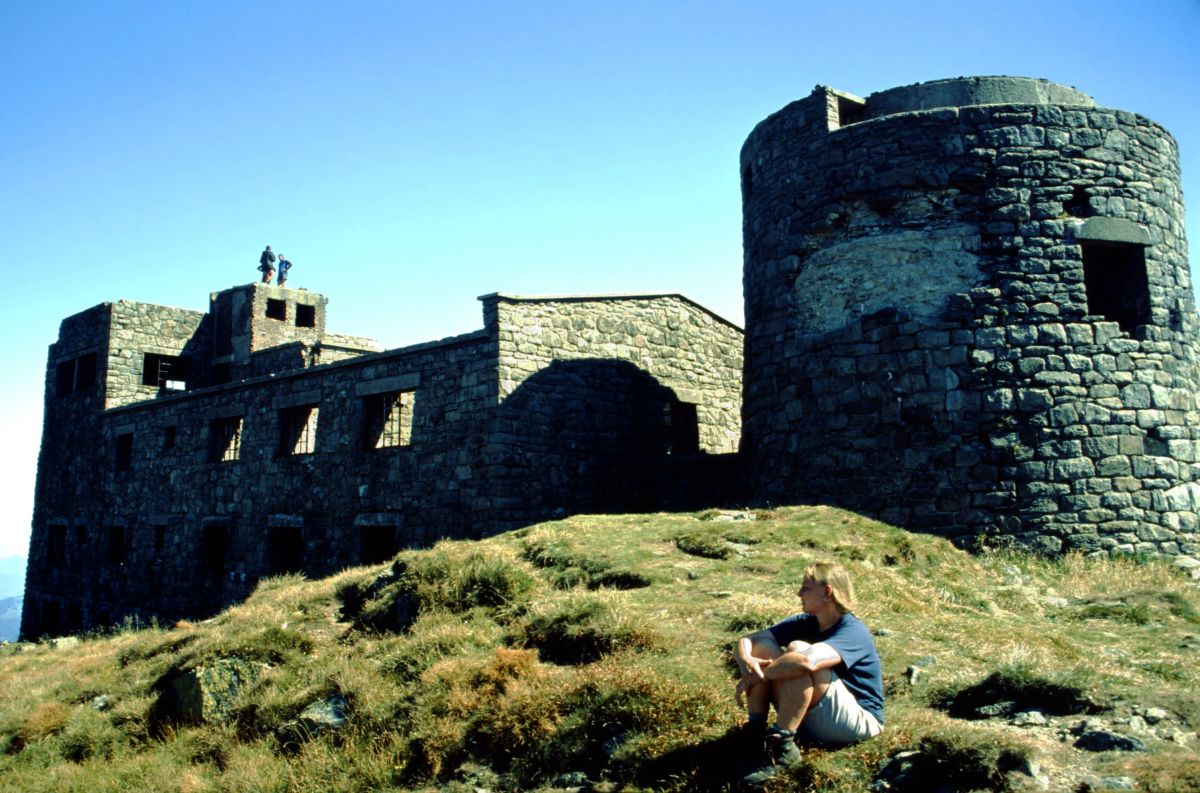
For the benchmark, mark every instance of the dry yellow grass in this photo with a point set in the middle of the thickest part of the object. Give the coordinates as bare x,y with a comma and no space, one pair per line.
472,694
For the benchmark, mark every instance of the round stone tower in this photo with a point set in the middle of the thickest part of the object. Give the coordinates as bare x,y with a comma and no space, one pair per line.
968,311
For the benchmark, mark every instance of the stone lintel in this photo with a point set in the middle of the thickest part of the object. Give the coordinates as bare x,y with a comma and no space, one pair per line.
401,382
1112,230
389,519
311,397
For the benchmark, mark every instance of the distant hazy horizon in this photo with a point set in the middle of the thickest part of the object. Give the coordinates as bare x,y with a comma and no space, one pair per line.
12,576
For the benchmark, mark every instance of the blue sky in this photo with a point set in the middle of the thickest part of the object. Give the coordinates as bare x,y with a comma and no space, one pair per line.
409,157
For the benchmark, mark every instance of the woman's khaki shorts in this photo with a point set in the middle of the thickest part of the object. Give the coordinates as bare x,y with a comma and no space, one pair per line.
838,719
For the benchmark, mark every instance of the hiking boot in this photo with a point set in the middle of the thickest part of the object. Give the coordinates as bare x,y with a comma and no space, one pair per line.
780,752
752,737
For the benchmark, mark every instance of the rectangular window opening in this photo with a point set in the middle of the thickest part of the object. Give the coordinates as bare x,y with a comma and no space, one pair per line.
306,316
160,539
64,378
50,622
276,309
298,430
1114,279
214,546
169,435
225,439
285,550
165,371
124,451
389,419
77,374
114,552
849,111
683,433
85,372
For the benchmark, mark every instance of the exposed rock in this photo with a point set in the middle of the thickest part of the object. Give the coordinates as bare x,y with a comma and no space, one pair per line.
1177,736
206,693
724,517
917,667
1106,741
996,709
1029,718
1155,715
572,780
895,771
1188,566
479,777
15,648
1110,783
324,715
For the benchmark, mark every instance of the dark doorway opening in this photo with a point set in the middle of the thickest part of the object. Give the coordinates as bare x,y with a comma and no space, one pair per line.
285,550
1114,278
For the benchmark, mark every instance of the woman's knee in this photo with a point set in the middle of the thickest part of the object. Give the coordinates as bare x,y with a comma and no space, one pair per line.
766,648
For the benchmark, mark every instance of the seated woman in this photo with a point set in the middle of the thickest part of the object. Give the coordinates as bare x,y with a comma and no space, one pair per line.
820,669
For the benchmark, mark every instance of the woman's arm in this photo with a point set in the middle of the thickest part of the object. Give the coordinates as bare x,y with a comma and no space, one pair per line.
802,659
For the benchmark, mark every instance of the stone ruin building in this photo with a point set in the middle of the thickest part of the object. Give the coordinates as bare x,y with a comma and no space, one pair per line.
188,454
968,311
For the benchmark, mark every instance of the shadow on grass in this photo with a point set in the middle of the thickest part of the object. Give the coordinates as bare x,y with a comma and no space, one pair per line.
1013,690
715,765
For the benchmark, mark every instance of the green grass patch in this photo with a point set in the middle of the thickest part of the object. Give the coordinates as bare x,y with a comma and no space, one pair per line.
581,628
704,542
594,652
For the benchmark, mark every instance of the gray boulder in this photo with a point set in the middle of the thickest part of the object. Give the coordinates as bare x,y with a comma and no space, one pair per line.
1106,741
325,715
206,693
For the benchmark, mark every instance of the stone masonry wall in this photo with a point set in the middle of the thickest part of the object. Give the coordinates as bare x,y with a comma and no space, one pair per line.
610,405
669,337
70,463
919,341
164,519
140,328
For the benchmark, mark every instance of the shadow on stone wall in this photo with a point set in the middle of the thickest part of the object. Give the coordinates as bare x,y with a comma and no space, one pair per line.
591,436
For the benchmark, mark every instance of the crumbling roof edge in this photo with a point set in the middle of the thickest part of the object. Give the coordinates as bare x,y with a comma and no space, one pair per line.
602,296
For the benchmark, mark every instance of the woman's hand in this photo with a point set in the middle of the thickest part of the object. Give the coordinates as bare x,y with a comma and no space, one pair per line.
752,677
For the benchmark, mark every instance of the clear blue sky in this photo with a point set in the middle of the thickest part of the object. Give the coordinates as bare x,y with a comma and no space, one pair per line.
409,157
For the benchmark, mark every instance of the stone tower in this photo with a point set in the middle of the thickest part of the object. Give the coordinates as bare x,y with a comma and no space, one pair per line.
968,311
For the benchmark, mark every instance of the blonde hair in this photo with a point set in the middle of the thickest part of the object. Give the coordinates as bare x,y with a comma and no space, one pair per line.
839,583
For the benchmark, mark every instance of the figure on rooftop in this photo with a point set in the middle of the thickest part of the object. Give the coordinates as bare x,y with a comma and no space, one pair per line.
266,265
284,266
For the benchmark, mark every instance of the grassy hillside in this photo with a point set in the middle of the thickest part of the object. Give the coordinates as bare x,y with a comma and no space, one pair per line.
593,653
